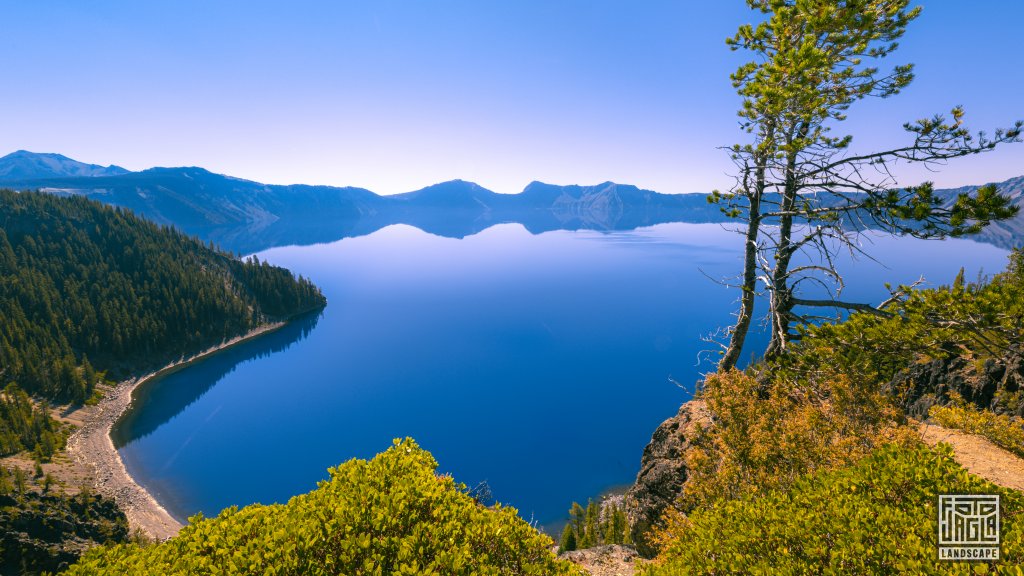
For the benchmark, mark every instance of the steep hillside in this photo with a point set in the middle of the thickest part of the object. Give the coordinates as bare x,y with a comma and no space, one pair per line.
85,287
195,199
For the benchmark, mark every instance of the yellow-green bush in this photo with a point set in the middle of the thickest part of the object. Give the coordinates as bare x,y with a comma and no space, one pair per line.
768,432
390,515
876,517
1001,429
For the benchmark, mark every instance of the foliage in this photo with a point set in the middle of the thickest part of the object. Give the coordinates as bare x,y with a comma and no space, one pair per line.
768,433
78,279
595,525
389,515
1003,430
25,426
877,517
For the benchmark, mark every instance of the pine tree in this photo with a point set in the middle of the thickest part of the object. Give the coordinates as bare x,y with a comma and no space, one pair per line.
800,191
591,530
578,520
20,481
568,541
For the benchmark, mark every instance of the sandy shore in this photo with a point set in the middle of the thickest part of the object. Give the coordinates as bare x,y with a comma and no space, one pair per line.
92,447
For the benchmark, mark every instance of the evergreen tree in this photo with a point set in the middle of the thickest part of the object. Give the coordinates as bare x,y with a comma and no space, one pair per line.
568,541
591,530
578,520
20,481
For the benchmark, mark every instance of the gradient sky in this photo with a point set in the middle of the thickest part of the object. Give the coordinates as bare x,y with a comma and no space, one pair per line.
396,95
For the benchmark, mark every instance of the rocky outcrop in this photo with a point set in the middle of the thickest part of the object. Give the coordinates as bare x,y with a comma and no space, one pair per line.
611,560
49,532
996,385
663,471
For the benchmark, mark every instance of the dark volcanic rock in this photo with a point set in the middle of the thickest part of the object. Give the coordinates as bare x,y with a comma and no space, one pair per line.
993,385
49,532
663,471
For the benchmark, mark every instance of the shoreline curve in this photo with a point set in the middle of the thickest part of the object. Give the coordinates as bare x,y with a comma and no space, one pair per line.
92,446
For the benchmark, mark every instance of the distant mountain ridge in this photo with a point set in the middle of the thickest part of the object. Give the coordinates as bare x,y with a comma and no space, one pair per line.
1008,233
247,216
27,165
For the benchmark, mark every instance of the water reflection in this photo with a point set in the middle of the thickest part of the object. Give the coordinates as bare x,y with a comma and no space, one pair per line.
169,395
453,223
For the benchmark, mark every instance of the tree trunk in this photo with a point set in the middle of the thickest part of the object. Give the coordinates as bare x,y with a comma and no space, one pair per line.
749,288
781,293
738,333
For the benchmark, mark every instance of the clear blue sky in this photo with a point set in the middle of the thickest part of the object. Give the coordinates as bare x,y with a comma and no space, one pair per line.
396,95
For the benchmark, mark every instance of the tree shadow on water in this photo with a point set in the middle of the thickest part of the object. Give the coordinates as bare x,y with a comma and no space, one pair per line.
161,399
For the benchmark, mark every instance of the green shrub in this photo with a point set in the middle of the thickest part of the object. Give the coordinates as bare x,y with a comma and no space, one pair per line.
1001,429
876,517
389,515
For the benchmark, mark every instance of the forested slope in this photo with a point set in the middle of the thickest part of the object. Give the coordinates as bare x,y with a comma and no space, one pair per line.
86,289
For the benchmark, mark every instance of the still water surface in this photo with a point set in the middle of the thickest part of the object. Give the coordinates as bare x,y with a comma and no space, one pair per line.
540,364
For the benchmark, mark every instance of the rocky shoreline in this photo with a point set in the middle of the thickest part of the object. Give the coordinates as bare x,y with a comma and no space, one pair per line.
92,446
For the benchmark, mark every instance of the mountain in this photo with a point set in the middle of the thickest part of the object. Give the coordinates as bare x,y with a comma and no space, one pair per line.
595,206
1008,233
194,198
456,194
246,216
22,165
458,208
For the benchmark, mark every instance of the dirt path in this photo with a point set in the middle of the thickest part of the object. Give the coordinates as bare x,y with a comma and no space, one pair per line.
978,455
92,447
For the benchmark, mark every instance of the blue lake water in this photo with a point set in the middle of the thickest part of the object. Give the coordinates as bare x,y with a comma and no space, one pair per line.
538,363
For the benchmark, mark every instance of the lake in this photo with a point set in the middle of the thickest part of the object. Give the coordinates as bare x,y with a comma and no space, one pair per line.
540,364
